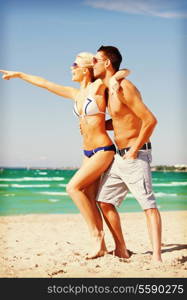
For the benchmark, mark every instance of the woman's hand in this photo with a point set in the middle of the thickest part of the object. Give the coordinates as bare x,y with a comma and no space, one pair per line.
60,90
9,74
114,83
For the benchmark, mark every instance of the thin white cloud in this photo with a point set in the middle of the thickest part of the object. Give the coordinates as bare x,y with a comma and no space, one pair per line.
157,8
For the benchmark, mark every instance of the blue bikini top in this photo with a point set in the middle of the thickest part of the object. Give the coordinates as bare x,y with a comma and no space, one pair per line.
90,108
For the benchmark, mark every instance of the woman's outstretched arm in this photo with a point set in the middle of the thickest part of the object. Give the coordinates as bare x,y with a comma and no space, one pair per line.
60,90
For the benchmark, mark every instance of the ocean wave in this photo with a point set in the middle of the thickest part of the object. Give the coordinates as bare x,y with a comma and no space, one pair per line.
159,194
129,195
174,183
54,193
33,179
42,173
54,200
29,185
165,195
154,184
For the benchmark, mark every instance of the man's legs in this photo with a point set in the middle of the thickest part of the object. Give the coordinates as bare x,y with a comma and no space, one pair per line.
112,220
112,190
138,179
134,176
154,226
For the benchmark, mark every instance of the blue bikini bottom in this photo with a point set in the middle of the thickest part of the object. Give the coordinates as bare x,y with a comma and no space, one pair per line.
89,153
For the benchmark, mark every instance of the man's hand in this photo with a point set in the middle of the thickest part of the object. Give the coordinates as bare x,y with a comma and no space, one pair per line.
131,154
9,74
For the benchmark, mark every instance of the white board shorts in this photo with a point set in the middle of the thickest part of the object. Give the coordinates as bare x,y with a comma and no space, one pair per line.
126,175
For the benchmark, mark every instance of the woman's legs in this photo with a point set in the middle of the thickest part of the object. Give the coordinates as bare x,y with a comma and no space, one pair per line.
89,172
98,242
91,193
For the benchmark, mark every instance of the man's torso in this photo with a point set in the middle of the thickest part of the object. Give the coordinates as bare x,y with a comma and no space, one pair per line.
125,123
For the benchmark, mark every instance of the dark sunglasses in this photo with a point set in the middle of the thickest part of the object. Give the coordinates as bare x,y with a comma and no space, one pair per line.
75,65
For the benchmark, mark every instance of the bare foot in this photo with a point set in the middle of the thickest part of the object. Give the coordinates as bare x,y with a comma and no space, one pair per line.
122,253
99,247
96,254
156,260
156,263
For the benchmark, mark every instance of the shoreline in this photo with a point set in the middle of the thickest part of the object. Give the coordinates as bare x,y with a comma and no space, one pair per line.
55,245
158,168
78,213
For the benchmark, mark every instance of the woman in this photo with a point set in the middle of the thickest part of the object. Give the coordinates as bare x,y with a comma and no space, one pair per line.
90,107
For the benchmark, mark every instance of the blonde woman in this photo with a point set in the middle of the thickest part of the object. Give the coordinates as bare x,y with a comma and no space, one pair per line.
89,106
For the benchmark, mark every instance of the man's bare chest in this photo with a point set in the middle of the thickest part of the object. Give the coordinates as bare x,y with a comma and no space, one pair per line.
116,108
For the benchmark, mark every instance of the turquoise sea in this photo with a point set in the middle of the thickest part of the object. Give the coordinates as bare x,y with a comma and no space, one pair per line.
31,191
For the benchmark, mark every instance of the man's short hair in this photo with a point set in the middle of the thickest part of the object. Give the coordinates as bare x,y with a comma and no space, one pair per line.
113,55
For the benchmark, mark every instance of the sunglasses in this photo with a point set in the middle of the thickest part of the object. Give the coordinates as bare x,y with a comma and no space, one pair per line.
75,65
95,60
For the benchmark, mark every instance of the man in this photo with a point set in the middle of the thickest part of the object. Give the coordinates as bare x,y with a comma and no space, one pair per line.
133,124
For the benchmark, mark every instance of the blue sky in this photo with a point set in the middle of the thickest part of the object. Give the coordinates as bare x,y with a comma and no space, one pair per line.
43,38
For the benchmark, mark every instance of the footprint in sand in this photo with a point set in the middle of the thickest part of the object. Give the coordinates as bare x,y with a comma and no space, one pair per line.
76,253
57,272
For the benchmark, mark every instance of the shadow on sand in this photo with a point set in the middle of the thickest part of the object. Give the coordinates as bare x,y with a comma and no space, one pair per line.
172,247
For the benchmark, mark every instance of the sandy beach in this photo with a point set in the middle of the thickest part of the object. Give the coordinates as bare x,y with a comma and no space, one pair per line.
51,246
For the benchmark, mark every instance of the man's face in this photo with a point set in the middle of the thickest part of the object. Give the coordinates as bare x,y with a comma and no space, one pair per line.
99,65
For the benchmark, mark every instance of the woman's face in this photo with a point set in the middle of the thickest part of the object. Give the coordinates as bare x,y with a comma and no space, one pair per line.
78,70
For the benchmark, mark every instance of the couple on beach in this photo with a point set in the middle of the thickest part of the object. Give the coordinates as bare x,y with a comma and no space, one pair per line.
108,171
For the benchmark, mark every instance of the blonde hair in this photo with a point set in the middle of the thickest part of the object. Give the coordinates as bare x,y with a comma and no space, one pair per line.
85,59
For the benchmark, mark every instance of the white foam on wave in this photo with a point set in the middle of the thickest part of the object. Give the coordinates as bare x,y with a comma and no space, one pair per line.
62,184
54,193
29,185
171,184
159,194
53,200
165,195
33,179
42,173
